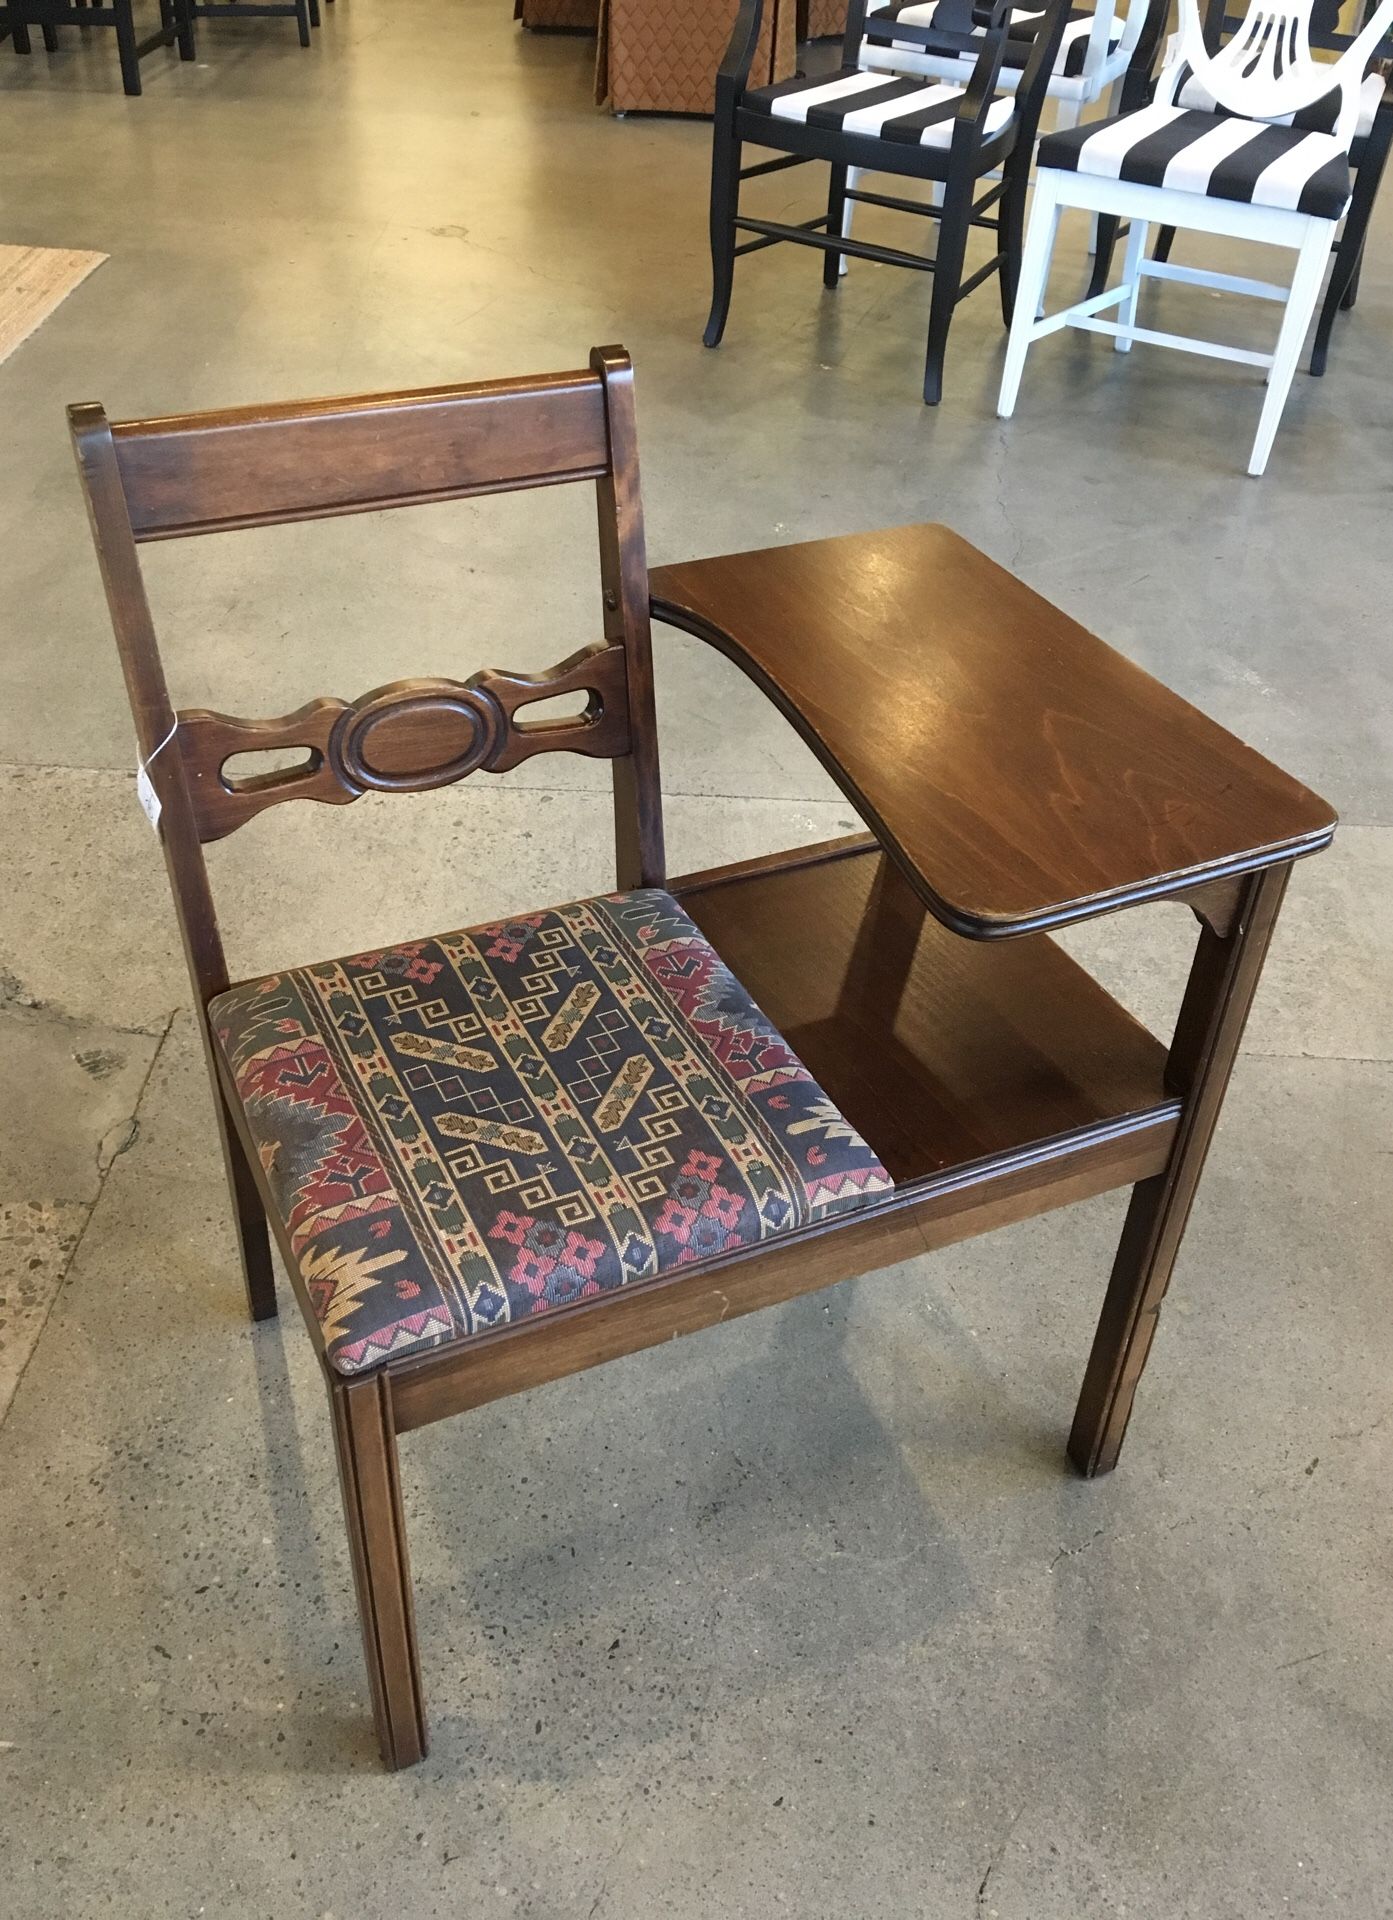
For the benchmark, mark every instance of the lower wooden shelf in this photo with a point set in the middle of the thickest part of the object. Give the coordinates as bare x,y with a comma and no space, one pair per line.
942,1052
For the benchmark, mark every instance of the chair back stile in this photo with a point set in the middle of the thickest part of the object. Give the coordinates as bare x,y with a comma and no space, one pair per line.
164,479
1267,70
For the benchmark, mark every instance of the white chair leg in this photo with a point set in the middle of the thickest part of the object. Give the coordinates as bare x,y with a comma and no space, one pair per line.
1131,279
1301,303
853,176
1030,294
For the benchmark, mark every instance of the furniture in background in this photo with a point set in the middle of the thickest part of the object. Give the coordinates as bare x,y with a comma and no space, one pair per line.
655,58
870,122
495,1157
558,16
821,19
1368,159
1244,165
175,29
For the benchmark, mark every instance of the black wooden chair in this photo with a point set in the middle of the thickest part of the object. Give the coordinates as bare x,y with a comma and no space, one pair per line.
916,128
175,28
1368,160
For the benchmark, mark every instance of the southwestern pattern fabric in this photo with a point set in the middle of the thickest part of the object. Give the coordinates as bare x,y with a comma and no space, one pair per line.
475,1128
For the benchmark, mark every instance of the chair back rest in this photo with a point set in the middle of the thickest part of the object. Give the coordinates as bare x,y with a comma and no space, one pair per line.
1267,70
197,474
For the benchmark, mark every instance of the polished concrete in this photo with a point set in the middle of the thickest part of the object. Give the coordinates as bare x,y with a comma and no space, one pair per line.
806,1616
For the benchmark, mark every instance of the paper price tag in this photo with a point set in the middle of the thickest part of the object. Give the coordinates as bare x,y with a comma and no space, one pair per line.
148,798
145,786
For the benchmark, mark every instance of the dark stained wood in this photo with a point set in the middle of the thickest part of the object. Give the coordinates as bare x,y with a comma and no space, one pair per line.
408,737
365,1443
1022,773
252,466
1215,1010
941,1051
640,860
564,1342
1017,771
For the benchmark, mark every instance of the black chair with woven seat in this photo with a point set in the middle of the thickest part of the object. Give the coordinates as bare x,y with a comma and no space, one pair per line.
1368,157
916,128
494,1157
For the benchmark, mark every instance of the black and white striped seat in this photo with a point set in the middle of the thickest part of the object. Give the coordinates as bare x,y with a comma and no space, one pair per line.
908,26
1219,155
917,113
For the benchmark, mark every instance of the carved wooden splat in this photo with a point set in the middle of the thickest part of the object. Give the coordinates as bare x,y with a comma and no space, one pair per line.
407,737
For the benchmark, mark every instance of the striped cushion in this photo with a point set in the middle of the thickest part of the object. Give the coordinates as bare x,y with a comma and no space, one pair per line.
1320,117
1222,157
916,113
906,26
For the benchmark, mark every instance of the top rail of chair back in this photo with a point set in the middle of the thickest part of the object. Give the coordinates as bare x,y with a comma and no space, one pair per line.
257,466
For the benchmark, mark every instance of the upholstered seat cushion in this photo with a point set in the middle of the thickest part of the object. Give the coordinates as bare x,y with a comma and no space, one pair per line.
1222,157
918,113
479,1127
909,26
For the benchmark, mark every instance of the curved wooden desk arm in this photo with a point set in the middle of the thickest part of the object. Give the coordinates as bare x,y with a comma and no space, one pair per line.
1021,774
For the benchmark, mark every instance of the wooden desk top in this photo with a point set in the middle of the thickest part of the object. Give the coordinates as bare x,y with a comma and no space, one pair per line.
1022,773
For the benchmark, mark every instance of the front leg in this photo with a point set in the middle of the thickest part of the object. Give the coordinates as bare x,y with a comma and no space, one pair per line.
1218,996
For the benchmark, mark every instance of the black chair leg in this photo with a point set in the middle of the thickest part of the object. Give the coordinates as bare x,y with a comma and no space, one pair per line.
1351,292
1011,241
50,38
725,201
184,29
1109,226
948,273
125,47
314,13
302,21
836,206
1165,240
19,31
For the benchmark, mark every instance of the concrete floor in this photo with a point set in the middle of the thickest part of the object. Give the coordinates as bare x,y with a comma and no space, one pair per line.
824,1627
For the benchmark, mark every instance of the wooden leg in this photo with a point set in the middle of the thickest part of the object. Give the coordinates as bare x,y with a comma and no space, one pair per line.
725,198
1131,279
1344,274
1030,291
953,226
1301,304
367,1452
1012,238
253,1238
836,216
1217,998
126,47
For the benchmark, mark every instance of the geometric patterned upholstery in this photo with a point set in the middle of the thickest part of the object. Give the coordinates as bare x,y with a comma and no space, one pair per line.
1221,156
916,113
475,1128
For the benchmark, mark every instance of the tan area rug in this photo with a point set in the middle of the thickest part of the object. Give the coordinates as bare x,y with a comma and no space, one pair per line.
33,281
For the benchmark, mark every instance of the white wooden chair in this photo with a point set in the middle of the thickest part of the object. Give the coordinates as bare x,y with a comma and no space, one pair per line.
912,37
1252,171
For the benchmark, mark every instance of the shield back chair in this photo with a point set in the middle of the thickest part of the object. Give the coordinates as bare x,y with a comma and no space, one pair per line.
175,29
955,136
1096,51
496,1157
1368,158
1245,168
